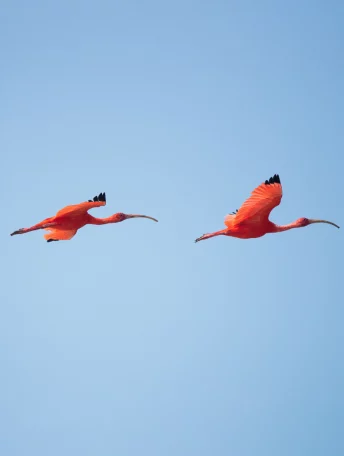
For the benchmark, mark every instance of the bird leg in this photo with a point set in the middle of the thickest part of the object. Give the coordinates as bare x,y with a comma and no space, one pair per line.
207,236
39,226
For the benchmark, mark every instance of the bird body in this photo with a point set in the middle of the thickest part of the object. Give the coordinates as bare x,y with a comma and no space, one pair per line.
67,221
252,219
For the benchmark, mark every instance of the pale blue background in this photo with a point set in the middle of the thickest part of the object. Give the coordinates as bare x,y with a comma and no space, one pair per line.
131,339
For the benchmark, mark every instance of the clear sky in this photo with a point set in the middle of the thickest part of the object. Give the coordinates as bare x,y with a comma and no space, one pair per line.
130,339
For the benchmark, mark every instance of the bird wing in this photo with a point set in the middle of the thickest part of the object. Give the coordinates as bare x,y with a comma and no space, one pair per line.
258,206
230,218
82,208
59,235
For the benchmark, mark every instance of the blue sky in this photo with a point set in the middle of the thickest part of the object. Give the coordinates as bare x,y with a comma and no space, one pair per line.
131,339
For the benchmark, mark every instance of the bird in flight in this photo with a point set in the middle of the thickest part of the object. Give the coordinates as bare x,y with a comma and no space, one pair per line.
252,219
65,224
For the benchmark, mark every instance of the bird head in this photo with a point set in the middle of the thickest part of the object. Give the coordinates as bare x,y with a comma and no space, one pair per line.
120,217
301,222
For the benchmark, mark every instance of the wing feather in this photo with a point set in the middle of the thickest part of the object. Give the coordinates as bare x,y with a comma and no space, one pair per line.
229,219
59,235
258,206
82,208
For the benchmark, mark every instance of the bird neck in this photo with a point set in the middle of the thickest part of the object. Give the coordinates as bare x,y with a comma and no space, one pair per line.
290,226
102,221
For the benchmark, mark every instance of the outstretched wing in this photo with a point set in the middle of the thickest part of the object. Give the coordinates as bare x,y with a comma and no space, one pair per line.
229,219
59,235
82,208
258,206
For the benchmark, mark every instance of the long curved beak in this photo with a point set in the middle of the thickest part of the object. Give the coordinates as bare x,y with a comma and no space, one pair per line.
142,216
322,221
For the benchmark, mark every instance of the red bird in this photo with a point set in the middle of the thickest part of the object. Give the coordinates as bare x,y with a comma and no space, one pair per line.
64,225
252,219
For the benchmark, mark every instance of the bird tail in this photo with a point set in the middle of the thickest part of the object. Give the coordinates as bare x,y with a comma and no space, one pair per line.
210,235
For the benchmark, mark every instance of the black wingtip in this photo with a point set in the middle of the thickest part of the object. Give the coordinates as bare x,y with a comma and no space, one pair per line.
52,240
100,197
275,179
